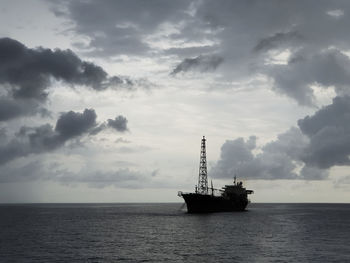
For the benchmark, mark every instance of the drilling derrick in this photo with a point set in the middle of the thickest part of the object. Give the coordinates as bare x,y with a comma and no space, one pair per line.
203,177
206,200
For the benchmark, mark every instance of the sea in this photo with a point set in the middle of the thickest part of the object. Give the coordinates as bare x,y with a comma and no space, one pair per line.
166,233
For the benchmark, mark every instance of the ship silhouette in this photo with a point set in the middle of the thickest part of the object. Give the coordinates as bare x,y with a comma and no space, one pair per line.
207,199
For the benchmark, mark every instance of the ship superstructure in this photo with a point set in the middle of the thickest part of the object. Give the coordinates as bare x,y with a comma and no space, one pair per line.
204,199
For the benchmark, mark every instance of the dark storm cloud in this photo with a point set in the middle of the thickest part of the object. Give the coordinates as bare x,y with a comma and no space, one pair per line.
305,30
28,71
72,123
119,123
25,75
321,142
277,160
329,133
327,68
46,138
235,31
10,109
202,63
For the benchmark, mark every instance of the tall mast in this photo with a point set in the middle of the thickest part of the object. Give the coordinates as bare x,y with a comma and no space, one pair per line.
203,177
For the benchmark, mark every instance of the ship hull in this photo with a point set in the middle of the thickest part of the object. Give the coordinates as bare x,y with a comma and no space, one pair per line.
200,203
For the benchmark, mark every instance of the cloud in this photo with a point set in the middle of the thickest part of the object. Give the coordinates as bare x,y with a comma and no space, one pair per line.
120,140
10,108
22,172
327,68
119,27
45,138
202,63
26,74
321,142
192,51
134,149
123,178
277,159
240,32
119,123
314,43
94,178
277,40
343,182
90,175
329,133
28,71
71,124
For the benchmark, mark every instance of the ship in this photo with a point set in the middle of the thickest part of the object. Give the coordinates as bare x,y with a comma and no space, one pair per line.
207,199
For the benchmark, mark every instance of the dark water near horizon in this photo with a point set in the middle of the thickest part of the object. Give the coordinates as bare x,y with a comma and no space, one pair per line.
164,233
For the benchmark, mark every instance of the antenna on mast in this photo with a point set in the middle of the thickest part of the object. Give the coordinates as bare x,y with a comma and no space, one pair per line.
203,177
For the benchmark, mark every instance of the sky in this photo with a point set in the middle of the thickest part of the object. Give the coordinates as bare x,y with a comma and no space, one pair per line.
107,101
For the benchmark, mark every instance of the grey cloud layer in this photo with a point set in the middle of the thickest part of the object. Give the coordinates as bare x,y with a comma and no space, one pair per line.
73,124
201,63
53,171
321,142
119,123
25,75
12,108
329,133
245,34
250,33
29,70
277,160
119,27
327,68
277,41
45,138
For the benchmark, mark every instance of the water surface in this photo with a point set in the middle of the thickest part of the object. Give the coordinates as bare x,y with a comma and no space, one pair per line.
165,233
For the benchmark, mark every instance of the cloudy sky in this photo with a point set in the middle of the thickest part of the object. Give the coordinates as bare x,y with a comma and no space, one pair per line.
107,101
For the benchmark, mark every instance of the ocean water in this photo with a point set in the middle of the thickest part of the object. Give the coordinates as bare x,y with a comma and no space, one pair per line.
166,233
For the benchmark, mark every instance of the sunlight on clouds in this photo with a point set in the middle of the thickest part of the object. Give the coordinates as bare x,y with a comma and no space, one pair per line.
162,38
336,13
278,57
323,95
